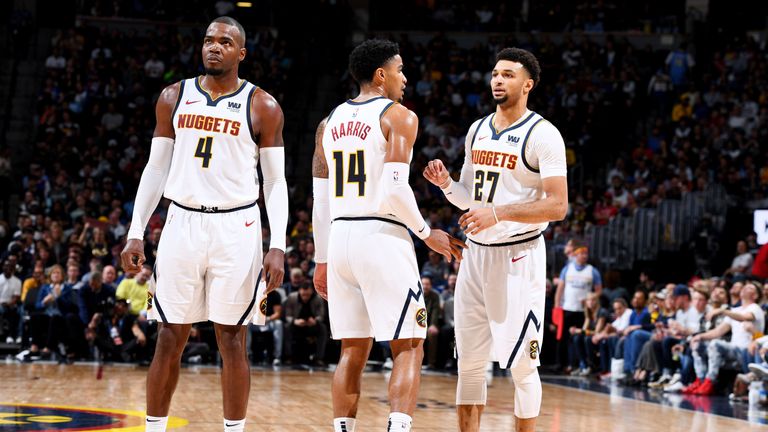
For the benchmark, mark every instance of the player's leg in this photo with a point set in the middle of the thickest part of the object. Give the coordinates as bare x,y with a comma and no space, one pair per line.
231,280
473,340
235,373
519,308
163,373
407,355
346,379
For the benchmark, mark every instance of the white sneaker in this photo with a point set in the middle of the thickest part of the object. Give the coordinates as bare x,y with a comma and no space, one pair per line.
585,372
489,374
9,340
18,339
675,387
276,362
388,364
662,381
759,370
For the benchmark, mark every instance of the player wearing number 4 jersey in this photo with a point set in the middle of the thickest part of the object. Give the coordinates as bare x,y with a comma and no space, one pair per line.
211,132
363,208
513,183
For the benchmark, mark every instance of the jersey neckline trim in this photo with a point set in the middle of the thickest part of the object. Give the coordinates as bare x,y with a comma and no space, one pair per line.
496,133
351,102
213,102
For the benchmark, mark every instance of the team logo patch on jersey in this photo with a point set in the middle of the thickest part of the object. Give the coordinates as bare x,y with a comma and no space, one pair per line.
534,344
421,317
42,417
263,306
149,300
511,139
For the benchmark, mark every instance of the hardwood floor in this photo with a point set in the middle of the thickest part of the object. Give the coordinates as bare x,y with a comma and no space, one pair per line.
299,401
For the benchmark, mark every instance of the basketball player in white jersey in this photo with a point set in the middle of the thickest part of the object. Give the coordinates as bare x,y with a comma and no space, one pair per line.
211,132
363,208
513,182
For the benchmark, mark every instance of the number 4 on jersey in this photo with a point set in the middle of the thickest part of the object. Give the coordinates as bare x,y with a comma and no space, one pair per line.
204,150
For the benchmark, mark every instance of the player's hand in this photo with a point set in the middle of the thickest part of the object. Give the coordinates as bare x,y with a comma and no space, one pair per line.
477,220
320,279
132,256
274,269
445,244
436,173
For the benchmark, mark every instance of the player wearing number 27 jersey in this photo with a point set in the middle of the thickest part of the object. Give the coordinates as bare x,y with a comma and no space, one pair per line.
513,182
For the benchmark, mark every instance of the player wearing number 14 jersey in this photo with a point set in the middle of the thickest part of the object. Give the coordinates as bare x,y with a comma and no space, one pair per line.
513,182
211,132
363,209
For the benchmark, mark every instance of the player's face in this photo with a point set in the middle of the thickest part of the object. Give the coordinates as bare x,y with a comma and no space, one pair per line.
222,49
509,82
394,78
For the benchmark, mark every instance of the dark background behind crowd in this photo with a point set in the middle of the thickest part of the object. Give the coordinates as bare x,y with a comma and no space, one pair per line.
652,108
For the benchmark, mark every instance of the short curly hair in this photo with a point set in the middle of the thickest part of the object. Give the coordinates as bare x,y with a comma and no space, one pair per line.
525,58
369,56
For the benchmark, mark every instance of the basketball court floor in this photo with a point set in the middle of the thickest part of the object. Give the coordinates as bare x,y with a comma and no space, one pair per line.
51,397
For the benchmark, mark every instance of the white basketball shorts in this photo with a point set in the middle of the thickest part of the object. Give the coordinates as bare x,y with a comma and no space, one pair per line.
207,267
499,304
374,288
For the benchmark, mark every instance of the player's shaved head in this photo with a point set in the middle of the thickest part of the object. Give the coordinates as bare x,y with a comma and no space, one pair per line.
234,23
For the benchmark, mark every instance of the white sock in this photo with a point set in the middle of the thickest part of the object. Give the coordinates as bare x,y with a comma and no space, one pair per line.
344,424
399,422
234,425
155,424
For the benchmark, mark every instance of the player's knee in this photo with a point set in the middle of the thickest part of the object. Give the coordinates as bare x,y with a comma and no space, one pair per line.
527,390
471,388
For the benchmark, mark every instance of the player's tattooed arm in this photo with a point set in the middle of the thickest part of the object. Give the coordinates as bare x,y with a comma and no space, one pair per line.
319,165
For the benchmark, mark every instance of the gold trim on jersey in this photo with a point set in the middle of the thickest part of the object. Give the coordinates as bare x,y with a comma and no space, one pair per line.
210,96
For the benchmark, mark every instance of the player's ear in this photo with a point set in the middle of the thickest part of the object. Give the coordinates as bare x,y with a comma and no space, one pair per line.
379,74
528,86
241,57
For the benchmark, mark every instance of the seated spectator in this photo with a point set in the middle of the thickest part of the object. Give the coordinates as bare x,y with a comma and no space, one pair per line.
636,334
135,290
435,268
297,278
742,322
95,297
595,319
59,329
118,334
10,296
742,262
305,326
608,339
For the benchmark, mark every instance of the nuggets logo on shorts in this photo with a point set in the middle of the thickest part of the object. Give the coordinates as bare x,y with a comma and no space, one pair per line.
421,317
263,306
534,349
149,300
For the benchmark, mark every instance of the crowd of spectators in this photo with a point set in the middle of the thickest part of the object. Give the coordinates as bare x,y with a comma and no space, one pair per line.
656,124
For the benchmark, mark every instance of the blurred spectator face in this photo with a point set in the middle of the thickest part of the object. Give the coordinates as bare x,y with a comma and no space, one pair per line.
749,294
426,284
582,256
434,257
310,248
638,300
57,275
121,307
156,235
73,272
109,274
223,49
8,268
699,301
591,301
682,302
95,282
619,308
452,281
143,275
736,291
305,292
741,247
297,276
719,296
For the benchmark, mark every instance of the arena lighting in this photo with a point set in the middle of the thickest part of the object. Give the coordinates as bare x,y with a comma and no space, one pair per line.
244,4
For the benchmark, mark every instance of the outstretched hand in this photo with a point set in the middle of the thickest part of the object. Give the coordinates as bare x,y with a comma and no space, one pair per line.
445,244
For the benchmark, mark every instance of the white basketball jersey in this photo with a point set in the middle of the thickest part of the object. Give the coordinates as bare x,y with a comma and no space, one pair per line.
503,176
355,148
214,154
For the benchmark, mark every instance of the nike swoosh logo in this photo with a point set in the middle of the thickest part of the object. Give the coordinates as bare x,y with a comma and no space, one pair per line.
514,260
482,138
152,421
449,193
191,102
230,425
247,224
422,230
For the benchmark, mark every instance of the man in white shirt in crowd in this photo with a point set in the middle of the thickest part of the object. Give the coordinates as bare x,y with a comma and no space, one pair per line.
609,337
10,293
